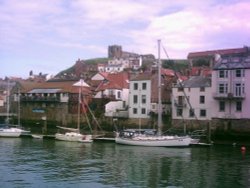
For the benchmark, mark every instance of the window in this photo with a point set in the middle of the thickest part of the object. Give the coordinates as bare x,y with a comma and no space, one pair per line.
222,88
143,111
238,106
124,104
110,92
179,112
135,86
143,99
191,112
180,100
222,74
203,113
153,106
222,106
135,99
202,99
144,86
239,89
239,73
202,89
118,94
180,88
134,110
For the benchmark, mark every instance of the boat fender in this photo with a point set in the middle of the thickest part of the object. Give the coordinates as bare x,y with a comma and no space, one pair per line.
243,148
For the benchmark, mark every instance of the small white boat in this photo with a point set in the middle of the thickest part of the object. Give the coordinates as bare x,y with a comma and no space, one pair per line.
73,137
37,136
9,131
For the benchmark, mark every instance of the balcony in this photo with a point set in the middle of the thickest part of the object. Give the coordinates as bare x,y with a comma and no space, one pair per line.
39,99
229,96
180,103
111,97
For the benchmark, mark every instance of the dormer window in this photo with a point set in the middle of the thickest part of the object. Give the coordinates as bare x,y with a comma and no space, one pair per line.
223,74
239,73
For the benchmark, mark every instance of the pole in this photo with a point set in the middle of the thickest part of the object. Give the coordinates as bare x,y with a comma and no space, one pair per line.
159,90
19,108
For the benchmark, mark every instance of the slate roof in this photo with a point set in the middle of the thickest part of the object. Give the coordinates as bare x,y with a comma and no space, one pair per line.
233,63
196,81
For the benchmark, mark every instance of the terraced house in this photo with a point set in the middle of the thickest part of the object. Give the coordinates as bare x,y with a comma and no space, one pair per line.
231,93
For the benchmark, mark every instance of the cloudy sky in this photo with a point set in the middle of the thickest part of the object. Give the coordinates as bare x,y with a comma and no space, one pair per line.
50,35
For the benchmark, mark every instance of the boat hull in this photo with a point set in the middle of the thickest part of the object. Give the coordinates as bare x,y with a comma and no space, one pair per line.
155,141
11,132
73,137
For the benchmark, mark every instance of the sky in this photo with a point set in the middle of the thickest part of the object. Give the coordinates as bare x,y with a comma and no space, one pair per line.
48,36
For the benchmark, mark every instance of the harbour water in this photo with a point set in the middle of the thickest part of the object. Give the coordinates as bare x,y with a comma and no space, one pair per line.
27,162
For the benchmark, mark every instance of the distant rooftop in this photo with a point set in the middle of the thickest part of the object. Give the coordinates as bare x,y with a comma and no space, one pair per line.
223,52
196,81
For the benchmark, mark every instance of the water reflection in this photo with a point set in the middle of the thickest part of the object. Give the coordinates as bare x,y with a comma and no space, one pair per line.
49,163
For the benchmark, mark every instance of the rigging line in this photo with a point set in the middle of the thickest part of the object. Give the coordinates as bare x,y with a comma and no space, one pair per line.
85,113
87,118
191,108
92,115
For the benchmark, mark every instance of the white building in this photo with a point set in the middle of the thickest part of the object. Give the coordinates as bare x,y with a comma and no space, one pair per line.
140,97
192,99
114,68
114,87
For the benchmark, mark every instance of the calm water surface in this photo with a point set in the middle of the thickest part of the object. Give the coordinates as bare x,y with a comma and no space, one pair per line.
27,162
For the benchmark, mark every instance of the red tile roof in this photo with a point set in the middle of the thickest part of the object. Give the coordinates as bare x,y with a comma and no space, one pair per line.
167,72
201,71
115,81
221,52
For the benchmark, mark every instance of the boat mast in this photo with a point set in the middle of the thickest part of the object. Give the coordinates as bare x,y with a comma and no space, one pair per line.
8,102
159,90
19,107
79,109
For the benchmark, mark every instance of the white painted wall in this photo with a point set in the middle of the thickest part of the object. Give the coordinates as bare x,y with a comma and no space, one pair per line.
194,97
112,107
139,105
230,105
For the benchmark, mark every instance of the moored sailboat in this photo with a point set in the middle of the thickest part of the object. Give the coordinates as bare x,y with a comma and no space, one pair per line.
7,129
142,138
73,134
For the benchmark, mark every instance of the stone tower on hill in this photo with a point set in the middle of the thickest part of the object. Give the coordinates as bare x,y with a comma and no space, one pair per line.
115,51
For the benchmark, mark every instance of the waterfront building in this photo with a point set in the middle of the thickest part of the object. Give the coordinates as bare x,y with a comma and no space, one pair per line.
191,101
55,100
140,96
231,91
143,94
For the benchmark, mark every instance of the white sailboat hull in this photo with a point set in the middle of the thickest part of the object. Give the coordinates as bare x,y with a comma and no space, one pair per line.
73,137
11,132
155,141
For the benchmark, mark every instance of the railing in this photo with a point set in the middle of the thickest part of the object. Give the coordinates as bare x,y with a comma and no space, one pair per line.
180,104
112,97
39,99
228,96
